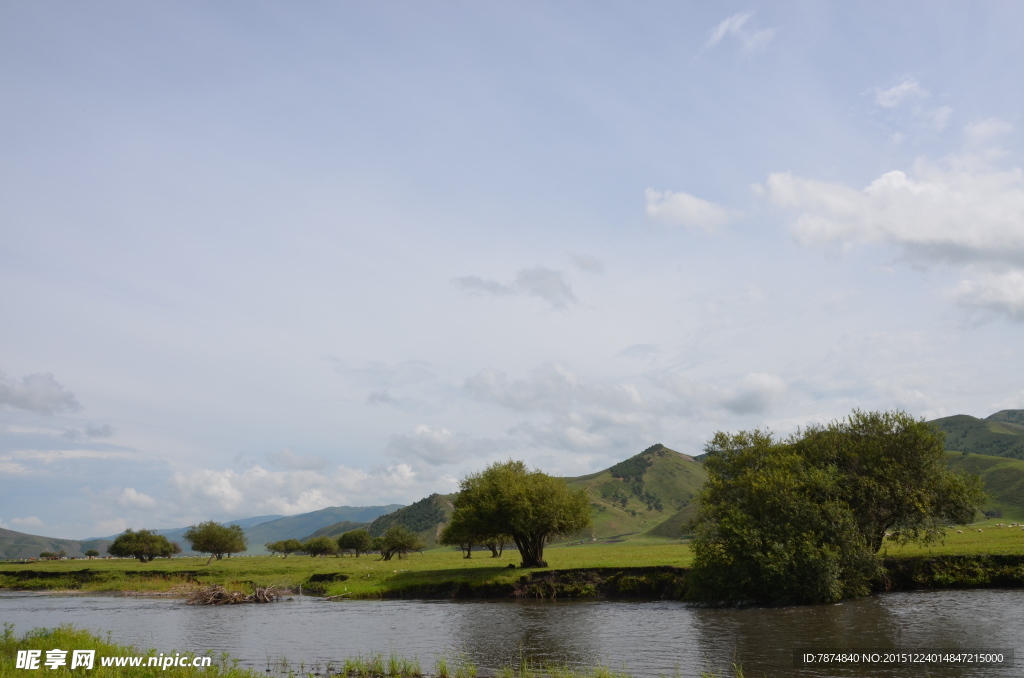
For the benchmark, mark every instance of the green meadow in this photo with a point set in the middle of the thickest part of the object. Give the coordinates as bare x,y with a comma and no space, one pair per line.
438,571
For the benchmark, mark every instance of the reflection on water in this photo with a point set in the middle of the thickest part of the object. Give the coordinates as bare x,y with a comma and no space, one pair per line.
648,639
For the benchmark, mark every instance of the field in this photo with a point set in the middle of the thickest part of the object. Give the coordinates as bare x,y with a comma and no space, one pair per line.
436,570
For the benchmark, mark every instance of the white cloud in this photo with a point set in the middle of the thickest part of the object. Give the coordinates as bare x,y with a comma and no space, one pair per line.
677,207
939,118
437,446
539,281
907,90
740,27
986,131
90,431
999,292
257,490
130,498
38,393
588,264
963,212
755,393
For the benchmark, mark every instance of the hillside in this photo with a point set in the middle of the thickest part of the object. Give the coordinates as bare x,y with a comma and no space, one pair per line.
336,530
426,518
998,435
647,494
20,545
1003,478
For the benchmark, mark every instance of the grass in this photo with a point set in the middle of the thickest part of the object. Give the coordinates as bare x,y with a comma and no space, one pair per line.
69,638
438,570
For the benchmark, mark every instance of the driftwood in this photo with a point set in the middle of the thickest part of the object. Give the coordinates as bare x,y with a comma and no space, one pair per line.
218,595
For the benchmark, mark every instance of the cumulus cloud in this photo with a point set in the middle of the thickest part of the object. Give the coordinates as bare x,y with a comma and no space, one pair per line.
963,212
907,90
257,490
541,282
755,393
130,498
437,446
39,393
740,28
679,208
985,132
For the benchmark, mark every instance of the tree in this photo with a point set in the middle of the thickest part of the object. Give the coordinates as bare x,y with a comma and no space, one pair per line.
530,507
321,546
802,519
216,539
398,540
359,541
145,545
91,553
458,533
285,546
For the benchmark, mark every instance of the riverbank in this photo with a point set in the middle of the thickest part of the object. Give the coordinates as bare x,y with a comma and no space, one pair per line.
661,582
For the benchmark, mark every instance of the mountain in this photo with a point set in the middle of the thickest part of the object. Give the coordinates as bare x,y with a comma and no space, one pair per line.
998,435
425,517
20,545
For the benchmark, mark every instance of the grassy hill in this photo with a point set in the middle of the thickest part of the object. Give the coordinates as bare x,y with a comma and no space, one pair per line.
304,524
16,545
1003,478
426,518
998,435
647,494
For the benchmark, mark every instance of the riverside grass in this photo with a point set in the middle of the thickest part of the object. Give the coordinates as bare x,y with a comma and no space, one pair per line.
370,577
378,665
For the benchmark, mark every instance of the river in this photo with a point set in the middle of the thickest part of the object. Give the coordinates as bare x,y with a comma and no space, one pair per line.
647,639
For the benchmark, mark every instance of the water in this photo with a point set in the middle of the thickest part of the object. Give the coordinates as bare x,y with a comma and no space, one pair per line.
648,639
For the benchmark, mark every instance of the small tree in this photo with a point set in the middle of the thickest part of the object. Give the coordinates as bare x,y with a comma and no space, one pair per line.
285,546
399,540
216,539
529,506
359,541
91,553
321,546
145,545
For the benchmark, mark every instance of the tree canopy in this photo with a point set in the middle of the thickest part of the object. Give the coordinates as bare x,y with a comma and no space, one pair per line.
398,540
285,546
321,546
802,519
216,539
359,541
530,507
144,545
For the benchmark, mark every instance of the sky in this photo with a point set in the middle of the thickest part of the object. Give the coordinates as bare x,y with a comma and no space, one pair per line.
261,258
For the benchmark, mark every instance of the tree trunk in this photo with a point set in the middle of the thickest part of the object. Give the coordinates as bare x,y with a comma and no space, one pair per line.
531,550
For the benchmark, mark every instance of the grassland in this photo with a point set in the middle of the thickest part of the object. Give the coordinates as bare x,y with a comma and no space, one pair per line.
441,572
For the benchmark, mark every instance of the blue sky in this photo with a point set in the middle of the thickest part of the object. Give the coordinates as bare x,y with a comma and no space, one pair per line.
266,258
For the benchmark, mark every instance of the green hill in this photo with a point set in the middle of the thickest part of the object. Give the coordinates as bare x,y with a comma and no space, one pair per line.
647,494
426,518
20,545
1003,478
998,435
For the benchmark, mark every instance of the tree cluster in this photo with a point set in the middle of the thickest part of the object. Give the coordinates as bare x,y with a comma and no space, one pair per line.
803,519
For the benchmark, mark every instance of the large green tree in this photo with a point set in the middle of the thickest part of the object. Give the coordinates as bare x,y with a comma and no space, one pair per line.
530,507
144,545
216,539
802,519
285,546
398,540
